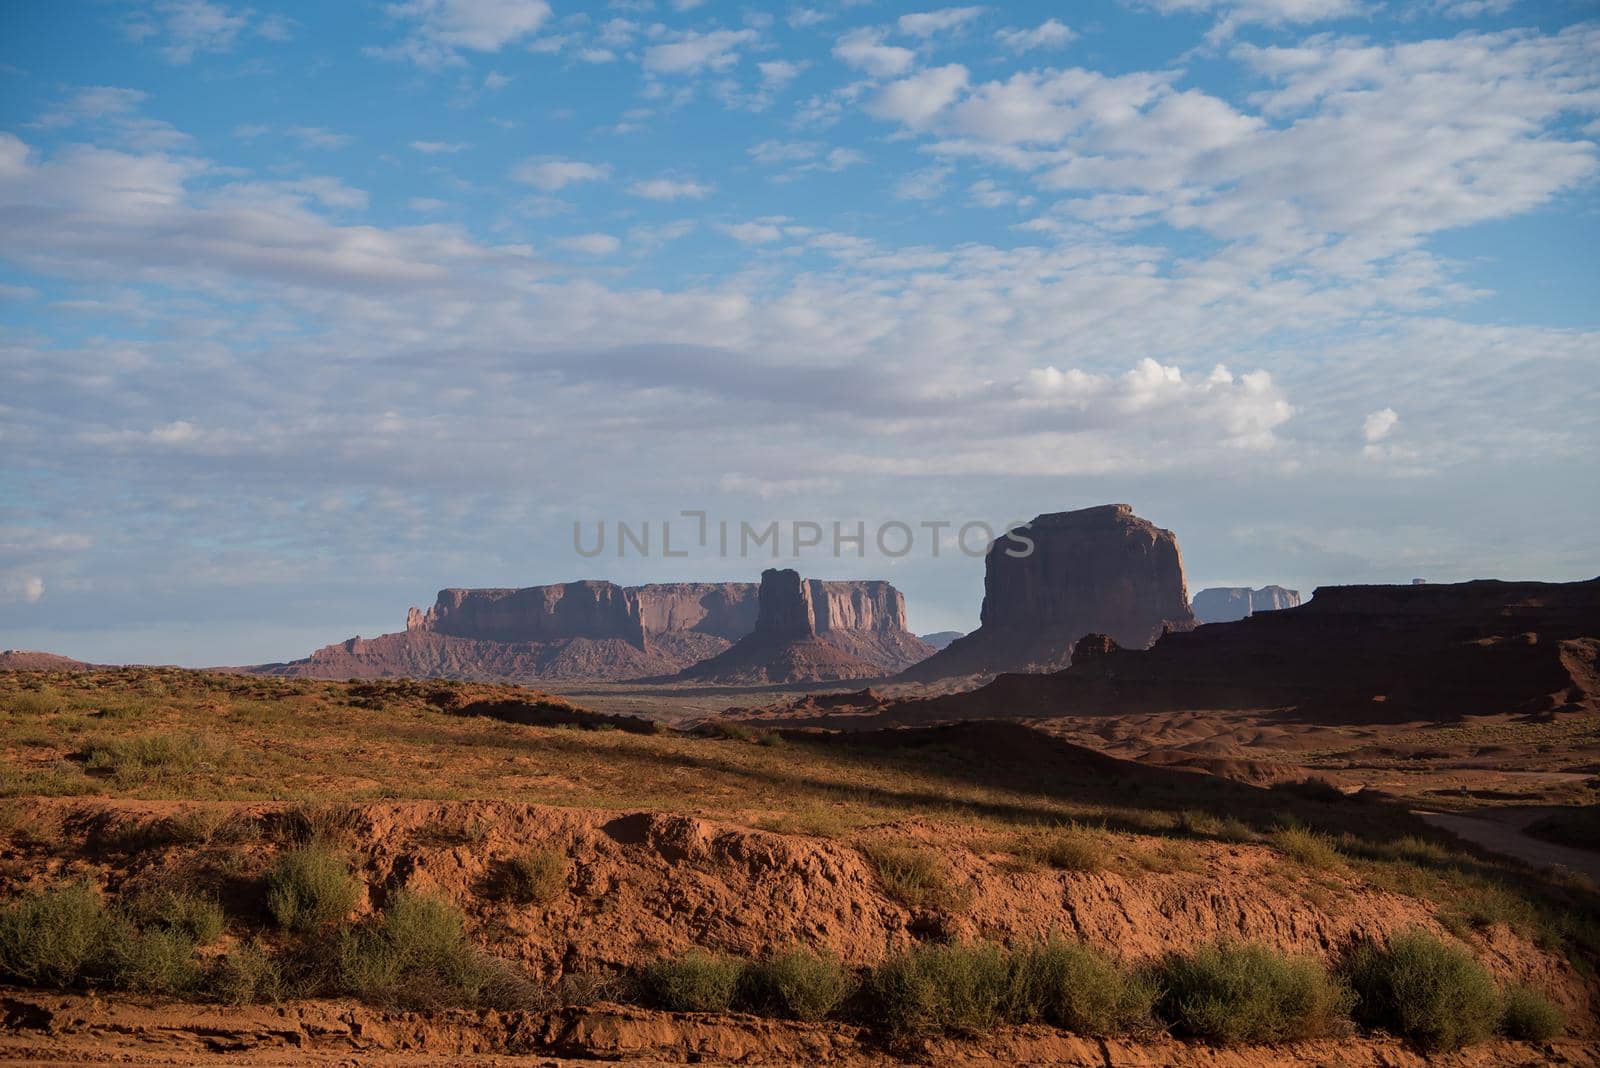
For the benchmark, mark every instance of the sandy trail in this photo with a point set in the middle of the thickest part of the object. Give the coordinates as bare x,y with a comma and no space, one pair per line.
1505,832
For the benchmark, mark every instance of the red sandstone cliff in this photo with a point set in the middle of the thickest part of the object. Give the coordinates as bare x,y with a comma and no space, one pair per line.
1095,570
599,630
810,630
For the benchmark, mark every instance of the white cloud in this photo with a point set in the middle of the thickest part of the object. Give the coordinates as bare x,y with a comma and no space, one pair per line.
690,51
1470,9
779,72
19,587
178,432
192,26
553,174
670,189
753,233
318,137
928,23
427,205
864,49
914,101
1377,424
774,152
444,27
590,244
926,184
989,194
1236,13
1048,34
92,103
434,148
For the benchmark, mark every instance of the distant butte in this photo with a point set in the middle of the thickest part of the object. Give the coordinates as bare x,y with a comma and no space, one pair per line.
1095,570
809,631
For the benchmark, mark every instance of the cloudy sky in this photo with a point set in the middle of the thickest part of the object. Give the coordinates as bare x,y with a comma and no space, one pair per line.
309,310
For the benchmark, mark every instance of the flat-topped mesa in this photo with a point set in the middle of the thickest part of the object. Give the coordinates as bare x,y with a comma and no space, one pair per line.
591,609
588,609
1095,570
599,630
1224,604
810,630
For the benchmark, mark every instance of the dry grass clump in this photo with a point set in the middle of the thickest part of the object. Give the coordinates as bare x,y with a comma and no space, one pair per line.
310,887
40,701
248,974
66,936
1308,847
797,983
916,877
538,876
1434,994
1072,847
417,956
1076,987
1249,993
148,759
695,981
962,989
1528,1015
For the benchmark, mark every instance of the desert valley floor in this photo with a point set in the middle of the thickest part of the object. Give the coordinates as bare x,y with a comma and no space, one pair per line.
581,844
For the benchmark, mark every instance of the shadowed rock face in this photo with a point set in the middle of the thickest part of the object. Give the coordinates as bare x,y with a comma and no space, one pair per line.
1351,654
810,630
1224,604
1096,570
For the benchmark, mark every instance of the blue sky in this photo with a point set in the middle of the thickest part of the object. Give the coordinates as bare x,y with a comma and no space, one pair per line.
308,310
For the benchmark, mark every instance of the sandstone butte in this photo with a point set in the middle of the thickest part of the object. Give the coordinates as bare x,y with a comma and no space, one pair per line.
808,629
1095,570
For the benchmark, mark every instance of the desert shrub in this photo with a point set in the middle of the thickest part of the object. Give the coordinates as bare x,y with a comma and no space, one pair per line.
152,758
956,988
418,956
1076,987
1414,849
247,974
309,887
1207,825
325,824
64,935
55,936
37,702
195,916
203,825
538,876
1313,789
1307,847
1070,848
151,961
916,877
797,983
696,981
1248,993
1528,1015
1418,987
